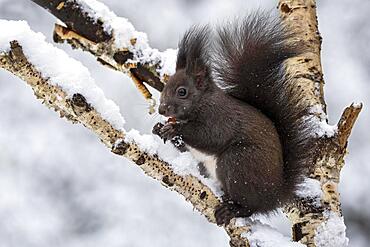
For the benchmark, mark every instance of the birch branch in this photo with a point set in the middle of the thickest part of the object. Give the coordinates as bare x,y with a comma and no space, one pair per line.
311,221
77,109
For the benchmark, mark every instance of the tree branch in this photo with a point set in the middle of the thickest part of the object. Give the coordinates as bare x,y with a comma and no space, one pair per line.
89,30
311,219
78,110
77,18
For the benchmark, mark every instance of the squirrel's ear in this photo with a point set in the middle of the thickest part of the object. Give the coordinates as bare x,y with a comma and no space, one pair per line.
201,74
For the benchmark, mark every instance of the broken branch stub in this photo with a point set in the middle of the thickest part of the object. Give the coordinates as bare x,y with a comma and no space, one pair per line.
90,34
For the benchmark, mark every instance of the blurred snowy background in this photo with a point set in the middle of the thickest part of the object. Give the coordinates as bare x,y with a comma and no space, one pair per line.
60,187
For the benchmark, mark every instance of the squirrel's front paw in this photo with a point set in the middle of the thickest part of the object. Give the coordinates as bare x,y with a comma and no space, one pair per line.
228,210
165,131
168,131
157,129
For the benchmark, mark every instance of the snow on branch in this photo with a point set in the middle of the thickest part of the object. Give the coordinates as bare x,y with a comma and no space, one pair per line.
65,85
91,26
69,74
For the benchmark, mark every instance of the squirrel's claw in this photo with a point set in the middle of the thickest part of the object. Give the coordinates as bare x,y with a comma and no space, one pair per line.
229,210
224,213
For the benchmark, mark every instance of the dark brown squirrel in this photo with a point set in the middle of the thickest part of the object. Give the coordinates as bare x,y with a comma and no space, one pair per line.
231,103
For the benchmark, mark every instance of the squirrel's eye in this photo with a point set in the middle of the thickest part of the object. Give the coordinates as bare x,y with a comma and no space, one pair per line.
182,92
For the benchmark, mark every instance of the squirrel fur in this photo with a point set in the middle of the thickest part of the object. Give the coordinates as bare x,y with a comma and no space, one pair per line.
236,111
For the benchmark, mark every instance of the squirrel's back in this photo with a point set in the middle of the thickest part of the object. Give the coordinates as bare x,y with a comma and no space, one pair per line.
250,66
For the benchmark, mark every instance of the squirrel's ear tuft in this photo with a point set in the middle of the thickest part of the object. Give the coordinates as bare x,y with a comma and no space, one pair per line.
193,52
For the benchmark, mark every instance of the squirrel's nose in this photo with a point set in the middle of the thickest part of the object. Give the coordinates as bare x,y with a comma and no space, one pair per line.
162,109
166,110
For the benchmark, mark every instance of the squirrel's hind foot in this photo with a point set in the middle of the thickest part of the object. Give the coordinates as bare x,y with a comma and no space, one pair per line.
229,210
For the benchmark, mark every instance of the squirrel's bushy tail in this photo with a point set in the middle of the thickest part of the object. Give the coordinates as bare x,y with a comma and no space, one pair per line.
249,65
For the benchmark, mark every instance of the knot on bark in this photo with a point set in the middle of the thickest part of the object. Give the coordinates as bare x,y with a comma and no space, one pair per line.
79,104
120,147
122,56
